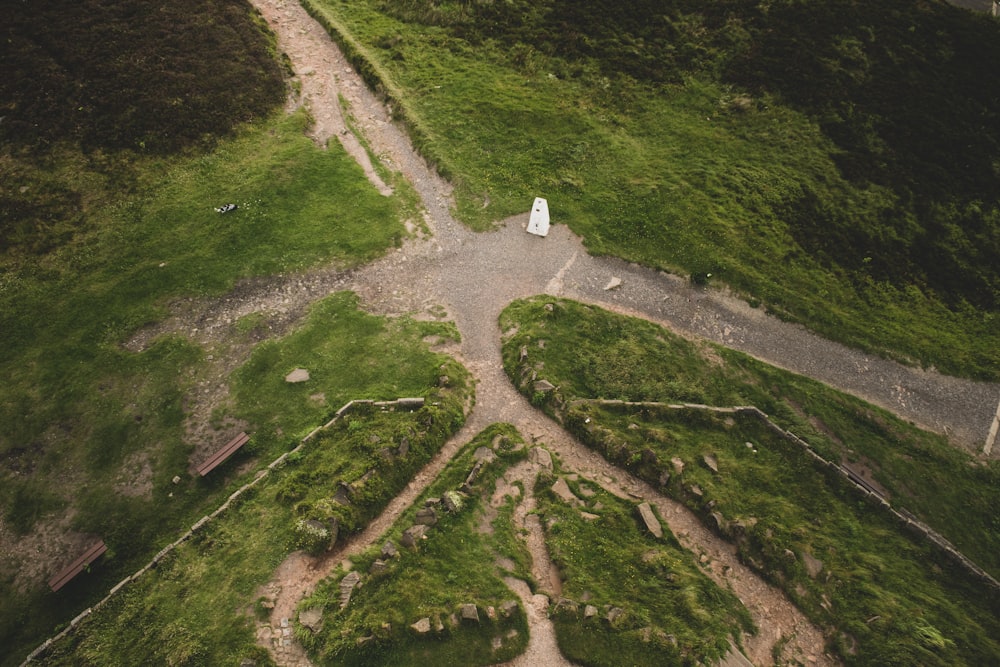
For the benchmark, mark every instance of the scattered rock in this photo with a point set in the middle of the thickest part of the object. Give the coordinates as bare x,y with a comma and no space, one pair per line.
740,528
652,523
613,614
613,283
696,491
711,462
649,457
176,479
544,386
474,474
452,501
664,478
426,516
541,457
588,516
347,586
719,522
562,491
412,536
590,611
508,608
470,613
343,495
567,606
388,550
812,564
423,626
491,613
484,455
678,465
312,618
298,375
404,447
378,567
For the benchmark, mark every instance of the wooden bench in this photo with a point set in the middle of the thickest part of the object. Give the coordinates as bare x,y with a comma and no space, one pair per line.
218,457
76,567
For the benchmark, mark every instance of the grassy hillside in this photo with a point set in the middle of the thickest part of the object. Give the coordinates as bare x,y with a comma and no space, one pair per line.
197,607
106,218
835,161
883,596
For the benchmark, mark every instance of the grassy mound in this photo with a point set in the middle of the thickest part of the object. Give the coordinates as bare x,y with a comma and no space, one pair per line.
884,596
668,611
452,567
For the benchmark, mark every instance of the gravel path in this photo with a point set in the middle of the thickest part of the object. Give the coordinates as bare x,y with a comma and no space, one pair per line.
475,275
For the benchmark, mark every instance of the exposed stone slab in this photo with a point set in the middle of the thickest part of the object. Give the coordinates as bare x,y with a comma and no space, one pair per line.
652,523
298,375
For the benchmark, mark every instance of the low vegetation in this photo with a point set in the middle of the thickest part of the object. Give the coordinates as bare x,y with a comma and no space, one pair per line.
835,162
884,596
136,526
128,75
454,566
652,604
198,605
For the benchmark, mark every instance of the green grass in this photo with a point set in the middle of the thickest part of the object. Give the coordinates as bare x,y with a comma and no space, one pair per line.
198,605
713,165
673,613
136,526
349,355
453,566
899,599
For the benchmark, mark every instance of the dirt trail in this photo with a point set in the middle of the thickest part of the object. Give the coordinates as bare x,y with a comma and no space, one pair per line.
475,275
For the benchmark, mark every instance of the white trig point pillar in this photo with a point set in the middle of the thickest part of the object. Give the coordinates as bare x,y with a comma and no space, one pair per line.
538,223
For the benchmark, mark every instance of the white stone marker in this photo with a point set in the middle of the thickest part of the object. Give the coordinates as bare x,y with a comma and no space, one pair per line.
538,223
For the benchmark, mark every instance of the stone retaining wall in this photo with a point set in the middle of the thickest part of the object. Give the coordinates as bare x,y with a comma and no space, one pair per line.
350,406
907,520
